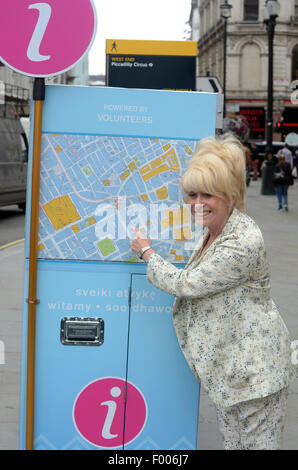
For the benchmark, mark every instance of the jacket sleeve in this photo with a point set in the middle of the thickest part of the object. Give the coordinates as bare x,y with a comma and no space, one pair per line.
228,266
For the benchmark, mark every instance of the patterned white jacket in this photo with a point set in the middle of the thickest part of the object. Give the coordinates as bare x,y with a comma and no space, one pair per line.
228,328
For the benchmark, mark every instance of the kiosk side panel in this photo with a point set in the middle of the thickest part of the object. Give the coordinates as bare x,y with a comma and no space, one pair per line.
156,363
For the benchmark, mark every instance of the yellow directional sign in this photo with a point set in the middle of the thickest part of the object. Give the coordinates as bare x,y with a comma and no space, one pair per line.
127,47
165,65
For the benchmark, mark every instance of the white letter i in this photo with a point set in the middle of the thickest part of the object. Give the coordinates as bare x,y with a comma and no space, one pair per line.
45,12
106,430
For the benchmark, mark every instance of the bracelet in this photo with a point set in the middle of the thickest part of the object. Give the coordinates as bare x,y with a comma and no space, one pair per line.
142,251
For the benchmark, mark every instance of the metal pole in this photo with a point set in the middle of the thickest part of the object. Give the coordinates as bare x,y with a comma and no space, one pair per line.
38,97
225,66
270,29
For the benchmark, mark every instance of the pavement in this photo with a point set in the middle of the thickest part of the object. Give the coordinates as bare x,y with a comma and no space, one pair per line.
280,231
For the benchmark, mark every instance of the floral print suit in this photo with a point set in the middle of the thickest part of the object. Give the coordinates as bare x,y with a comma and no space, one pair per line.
227,325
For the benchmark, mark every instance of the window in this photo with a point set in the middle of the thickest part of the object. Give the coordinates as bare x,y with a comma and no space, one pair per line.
296,10
24,148
295,63
250,70
251,10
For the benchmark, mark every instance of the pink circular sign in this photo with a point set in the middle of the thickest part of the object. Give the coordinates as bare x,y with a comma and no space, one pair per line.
45,38
99,412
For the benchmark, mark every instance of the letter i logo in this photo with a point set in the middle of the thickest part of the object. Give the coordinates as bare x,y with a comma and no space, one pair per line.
44,16
99,411
112,406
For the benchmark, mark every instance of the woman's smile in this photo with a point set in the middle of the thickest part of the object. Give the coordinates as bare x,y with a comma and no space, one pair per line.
210,211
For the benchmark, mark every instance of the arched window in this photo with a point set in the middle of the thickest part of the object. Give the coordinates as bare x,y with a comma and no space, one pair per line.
250,70
251,10
295,63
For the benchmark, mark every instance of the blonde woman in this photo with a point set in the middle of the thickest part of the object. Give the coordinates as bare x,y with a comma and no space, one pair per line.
228,327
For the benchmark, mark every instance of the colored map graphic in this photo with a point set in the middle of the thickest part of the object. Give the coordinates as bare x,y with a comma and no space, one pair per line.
94,189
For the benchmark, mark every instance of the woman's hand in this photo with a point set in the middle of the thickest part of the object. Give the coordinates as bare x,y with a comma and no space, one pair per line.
140,242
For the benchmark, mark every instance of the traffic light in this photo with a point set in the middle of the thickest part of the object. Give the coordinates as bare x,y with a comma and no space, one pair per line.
278,127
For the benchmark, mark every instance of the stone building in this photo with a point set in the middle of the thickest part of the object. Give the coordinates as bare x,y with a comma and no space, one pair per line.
16,88
78,75
247,58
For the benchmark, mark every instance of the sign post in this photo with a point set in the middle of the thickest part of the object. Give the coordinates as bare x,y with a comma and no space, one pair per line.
38,97
47,45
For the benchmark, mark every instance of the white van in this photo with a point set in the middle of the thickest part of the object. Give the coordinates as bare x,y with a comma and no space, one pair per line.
13,162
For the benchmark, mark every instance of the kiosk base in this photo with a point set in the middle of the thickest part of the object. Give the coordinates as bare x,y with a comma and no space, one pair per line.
109,370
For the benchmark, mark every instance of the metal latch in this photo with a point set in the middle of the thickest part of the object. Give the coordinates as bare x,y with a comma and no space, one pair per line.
75,331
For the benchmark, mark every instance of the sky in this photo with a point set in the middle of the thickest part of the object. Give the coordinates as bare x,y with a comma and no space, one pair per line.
162,20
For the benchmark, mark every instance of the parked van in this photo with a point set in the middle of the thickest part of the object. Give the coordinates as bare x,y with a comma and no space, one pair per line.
13,162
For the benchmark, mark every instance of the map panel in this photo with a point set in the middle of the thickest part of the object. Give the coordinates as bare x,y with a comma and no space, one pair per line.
95,188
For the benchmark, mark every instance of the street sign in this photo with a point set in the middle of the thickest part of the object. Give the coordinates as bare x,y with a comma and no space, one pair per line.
212,85
208,85
164,65
219,111
45,38
292,138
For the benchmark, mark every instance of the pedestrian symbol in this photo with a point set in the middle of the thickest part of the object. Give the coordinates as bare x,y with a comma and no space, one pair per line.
114,46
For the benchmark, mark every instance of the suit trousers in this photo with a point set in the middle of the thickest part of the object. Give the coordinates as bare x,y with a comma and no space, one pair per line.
255,424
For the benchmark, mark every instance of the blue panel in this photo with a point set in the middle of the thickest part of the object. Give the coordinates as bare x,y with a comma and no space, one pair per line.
118,111
157,366
61,372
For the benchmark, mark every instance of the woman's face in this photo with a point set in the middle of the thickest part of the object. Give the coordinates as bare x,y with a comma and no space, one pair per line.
210,211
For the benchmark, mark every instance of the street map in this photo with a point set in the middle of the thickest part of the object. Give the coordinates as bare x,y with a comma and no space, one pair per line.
94,189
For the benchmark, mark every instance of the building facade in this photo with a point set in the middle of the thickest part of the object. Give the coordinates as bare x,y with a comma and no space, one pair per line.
247,59
16,88
78,75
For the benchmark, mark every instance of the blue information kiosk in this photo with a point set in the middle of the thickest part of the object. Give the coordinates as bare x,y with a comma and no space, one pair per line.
109,373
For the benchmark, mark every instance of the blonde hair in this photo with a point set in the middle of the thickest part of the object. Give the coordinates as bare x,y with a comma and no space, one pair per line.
218,168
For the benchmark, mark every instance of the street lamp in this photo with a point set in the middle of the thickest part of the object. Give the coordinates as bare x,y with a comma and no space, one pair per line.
225,13
271,11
